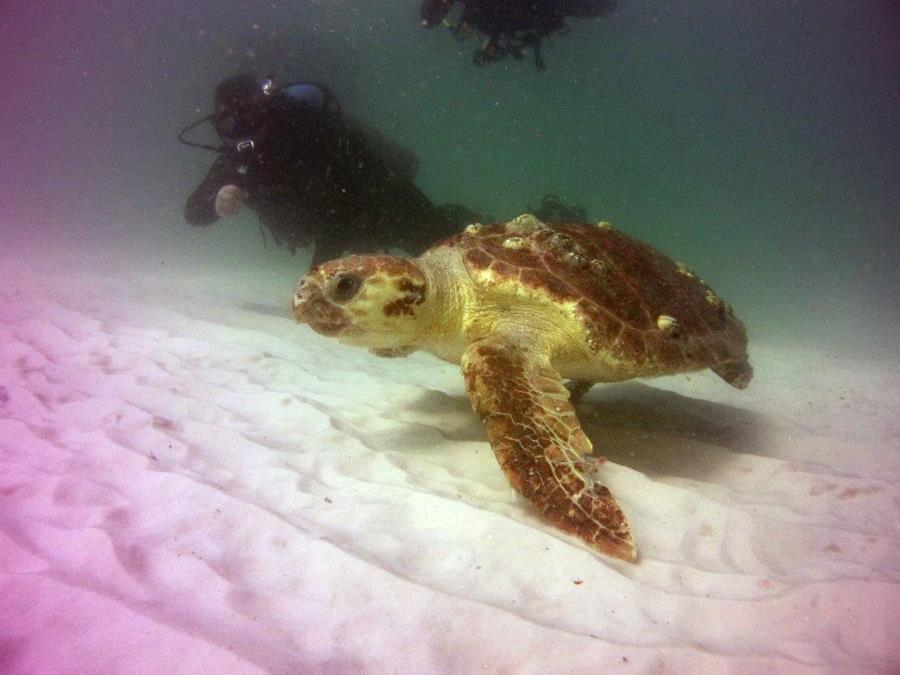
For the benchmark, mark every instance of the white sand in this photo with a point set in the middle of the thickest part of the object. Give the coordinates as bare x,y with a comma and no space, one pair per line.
190,482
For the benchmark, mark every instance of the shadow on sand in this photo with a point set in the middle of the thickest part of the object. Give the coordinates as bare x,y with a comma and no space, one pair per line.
659,432
654,431
282,311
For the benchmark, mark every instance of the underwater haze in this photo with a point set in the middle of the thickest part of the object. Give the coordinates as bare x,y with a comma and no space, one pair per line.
759,143
192,482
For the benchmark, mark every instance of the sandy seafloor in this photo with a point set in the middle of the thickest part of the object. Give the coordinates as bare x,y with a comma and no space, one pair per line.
190,482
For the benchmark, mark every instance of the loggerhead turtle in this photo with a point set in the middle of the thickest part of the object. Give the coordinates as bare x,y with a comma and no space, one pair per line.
523,306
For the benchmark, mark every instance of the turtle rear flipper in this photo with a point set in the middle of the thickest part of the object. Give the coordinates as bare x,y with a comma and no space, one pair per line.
538,441
737,373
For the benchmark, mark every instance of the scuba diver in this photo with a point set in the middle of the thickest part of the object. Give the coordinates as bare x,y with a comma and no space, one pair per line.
312,174
509,27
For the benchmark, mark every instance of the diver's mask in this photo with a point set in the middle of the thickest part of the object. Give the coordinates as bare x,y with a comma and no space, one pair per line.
239,120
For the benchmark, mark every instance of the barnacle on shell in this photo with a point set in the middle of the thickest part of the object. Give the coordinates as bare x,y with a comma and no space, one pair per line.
524,224
668,325
514,243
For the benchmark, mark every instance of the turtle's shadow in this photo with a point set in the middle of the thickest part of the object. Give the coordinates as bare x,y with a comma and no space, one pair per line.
450,415
282,311
659,432
655,431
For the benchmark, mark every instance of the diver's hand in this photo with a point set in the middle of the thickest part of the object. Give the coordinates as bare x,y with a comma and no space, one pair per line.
229,200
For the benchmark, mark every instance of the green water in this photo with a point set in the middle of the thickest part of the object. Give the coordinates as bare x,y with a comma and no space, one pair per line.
759,142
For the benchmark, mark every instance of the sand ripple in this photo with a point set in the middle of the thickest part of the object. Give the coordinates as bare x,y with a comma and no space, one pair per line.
188,490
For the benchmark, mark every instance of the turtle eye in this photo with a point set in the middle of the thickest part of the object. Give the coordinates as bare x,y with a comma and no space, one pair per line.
344,287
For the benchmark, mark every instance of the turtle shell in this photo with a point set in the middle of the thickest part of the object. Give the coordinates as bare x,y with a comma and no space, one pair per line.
636,304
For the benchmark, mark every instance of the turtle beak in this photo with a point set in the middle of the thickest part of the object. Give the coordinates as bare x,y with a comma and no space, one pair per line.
313,308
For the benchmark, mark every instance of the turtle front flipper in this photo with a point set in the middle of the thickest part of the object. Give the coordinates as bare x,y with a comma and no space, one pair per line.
539,443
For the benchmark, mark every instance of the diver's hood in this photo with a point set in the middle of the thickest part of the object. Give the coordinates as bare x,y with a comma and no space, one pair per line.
249,108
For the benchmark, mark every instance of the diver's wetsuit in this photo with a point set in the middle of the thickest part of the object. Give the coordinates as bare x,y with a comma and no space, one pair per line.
498,17
512,26
326,185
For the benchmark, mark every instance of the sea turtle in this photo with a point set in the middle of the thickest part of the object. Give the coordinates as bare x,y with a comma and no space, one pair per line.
523,306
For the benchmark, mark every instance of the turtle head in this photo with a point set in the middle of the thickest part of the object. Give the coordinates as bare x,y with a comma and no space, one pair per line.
370,301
